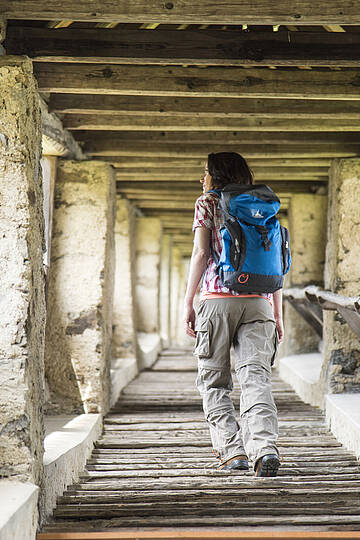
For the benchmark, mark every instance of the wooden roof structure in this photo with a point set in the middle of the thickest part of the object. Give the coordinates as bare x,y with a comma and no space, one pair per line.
153,87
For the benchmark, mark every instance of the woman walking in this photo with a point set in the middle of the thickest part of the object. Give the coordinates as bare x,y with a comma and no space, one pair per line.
226,317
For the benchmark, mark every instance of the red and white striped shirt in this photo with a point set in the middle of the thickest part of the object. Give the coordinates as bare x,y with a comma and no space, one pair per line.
209,216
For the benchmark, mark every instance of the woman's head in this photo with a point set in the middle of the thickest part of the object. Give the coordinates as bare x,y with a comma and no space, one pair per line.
228,168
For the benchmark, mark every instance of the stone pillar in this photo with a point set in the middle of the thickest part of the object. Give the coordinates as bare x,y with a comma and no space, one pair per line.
80,300
341,368
22,294
182,338
147,289
175,292
124,341
307,228
165,282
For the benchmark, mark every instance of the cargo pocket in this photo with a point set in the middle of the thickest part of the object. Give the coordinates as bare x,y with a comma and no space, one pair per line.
276,346
202,343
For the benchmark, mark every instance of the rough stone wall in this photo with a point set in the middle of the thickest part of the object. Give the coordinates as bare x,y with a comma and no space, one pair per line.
124,314
307,228
80,301
341,370
22,297
148,247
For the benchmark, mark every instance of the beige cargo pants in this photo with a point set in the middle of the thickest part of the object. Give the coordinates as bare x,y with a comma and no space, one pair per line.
249,325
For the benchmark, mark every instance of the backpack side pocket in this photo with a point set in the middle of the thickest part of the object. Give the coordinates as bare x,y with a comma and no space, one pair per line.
285,249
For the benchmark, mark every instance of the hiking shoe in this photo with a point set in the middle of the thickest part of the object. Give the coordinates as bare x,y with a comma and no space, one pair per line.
237,463
267,465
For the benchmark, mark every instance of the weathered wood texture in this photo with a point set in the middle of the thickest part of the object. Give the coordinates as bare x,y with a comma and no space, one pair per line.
190,46
196,82
204,107
153,466
179,123
221,137
292,12
185,150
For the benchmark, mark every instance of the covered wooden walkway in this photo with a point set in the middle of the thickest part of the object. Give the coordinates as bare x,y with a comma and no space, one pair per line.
153,469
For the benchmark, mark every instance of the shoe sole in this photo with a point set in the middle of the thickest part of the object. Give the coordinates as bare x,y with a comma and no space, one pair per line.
269,468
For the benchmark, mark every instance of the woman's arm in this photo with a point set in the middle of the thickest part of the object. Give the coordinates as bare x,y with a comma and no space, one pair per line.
198,263
277,296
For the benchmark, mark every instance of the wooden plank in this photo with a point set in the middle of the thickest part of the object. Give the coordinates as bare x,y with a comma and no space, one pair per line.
196,81
200,535
184,163
205,107
112,139
331,150
211,520
139,123
203,12
210,47
152,174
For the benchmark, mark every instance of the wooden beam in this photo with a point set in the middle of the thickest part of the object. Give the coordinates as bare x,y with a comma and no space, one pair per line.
196,82
178,205
111,140
201,151
185,163
194,174
191,47
186,123
204,107
202,12
162,189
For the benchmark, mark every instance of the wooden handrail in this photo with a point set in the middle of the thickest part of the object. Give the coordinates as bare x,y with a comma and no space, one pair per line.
304,298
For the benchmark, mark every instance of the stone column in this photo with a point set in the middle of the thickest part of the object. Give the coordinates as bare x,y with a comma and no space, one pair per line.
307,228
165,283
124,362
80,300
22,294
147,289
123,315
182,338
341,368
174,296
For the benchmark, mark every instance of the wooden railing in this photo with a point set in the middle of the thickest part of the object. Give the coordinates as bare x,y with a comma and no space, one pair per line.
310,301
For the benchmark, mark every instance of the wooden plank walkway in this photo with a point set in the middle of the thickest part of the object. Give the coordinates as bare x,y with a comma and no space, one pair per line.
153,468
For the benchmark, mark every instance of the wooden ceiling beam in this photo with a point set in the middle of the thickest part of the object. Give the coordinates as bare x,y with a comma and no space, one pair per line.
111,140
185,123
206,108
196,81
184,163
287,12
179,205
191,47
194,174
185,150
160,189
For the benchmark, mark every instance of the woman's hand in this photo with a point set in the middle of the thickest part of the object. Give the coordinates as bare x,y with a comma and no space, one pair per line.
280,328
189,320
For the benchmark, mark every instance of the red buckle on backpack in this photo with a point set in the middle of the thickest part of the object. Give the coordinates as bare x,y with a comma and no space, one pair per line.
243,278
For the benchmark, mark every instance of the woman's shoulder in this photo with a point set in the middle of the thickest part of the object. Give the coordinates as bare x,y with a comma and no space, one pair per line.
207,198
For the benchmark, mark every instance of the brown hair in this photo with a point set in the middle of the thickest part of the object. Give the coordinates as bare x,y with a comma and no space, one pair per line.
228,168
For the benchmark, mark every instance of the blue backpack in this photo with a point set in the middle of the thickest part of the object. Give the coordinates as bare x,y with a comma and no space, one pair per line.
255,252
